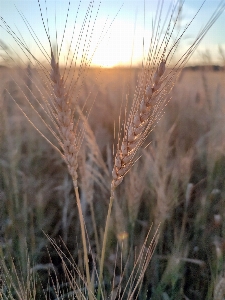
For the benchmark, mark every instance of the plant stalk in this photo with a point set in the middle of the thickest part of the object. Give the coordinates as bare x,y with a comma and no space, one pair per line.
104,245
83,235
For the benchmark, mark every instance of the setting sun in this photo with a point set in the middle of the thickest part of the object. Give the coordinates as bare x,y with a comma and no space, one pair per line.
119,46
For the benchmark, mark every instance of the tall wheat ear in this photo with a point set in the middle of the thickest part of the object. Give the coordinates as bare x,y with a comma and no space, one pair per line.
70,145
152,93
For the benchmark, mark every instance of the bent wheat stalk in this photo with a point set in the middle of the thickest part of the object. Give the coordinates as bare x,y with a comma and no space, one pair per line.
151,97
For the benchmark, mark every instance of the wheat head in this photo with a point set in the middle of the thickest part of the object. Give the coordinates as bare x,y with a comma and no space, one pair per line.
136,127
64,118
153,90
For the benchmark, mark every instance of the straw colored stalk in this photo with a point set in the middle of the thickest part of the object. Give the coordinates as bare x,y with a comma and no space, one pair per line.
150,99
69,143
56,104
138,126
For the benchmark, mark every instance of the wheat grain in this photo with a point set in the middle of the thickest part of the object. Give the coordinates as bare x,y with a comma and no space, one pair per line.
136,126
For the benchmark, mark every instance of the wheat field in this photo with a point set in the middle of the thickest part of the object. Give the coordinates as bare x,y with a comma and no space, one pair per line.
121,196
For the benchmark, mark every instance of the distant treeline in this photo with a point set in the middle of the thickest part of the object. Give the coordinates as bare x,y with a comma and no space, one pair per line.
205,67
188,68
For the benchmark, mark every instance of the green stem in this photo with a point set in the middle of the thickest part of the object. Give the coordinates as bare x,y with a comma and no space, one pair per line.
104,245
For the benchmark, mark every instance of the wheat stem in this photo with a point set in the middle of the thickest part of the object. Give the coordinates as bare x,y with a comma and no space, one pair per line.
83,236
104,244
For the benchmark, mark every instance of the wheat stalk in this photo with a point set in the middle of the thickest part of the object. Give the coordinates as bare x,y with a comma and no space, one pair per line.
57,105
151,96
70,145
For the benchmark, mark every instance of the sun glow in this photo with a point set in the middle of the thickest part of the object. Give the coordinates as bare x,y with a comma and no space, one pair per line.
117,49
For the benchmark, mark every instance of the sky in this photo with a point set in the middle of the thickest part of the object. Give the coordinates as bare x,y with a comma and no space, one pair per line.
121,32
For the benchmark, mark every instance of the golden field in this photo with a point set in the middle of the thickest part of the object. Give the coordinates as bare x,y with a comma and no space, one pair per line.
177,183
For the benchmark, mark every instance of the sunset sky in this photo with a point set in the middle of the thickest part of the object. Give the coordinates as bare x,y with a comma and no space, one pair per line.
123,40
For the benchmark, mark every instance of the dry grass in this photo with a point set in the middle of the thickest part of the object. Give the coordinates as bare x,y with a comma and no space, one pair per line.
180,154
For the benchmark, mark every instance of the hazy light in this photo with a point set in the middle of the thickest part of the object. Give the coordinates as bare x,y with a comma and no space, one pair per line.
111,43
